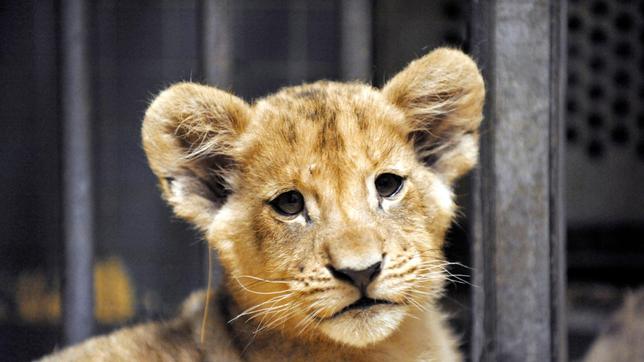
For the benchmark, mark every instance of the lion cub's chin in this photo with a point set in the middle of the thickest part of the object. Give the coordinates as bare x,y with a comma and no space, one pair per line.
361,328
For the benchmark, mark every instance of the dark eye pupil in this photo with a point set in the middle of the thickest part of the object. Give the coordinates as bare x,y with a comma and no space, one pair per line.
288,203
388,184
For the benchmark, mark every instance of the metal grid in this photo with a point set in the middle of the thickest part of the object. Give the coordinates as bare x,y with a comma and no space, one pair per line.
605,160
605,112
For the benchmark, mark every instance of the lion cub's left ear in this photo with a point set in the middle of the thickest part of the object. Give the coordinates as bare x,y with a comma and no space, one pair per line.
441,95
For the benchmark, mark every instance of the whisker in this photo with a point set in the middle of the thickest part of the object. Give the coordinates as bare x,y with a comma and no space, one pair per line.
412,302
263,293
290,312
254,309
310,317
276,281
272,310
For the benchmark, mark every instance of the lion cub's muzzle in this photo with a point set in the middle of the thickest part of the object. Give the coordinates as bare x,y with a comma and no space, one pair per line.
361,279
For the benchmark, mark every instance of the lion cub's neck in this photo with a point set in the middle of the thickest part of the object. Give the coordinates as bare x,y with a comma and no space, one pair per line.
423,336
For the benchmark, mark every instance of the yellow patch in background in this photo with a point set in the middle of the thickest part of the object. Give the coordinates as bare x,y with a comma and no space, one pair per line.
35,303
113,293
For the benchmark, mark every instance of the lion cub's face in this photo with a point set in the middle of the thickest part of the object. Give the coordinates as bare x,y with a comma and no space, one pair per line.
328,203
334,211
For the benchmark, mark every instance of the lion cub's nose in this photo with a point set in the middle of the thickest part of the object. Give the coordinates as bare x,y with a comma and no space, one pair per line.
359,278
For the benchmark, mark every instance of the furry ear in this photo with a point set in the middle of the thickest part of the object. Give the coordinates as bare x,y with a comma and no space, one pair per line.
441,95
188,136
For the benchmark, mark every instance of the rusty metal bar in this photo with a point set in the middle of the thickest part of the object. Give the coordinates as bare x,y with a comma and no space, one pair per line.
518,249
77,173
356,43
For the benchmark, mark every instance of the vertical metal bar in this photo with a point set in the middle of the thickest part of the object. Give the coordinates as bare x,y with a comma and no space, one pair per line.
77,173
356,43
298,41
558,275
217,67
216,42
518,248
483,181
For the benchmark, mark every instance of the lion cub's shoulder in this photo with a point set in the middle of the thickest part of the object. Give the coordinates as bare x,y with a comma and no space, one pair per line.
178,339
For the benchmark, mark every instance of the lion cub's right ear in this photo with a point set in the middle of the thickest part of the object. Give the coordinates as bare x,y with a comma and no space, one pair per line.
189,133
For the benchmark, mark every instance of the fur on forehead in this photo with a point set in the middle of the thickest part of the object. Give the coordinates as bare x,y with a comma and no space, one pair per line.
350,108
324,121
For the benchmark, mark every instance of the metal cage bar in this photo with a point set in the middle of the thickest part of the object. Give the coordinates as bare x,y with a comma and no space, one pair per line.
356,44
216,52
216,44
518,248
77,173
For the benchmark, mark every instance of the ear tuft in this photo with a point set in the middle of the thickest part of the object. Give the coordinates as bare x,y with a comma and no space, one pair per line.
441,95
189,132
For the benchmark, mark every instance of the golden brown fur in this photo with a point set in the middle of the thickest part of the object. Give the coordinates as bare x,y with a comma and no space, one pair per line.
221,161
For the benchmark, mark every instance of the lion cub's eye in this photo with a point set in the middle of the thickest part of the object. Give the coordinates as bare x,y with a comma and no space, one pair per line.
288,203
388,184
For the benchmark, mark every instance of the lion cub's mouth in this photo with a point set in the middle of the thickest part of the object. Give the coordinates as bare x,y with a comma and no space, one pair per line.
363,303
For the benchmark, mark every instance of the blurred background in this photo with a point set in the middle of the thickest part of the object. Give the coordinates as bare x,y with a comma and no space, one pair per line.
146,262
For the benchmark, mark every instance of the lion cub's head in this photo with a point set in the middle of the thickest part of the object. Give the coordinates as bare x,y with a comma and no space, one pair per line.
327,202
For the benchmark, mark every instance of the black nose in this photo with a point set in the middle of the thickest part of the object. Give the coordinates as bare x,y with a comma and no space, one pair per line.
359,278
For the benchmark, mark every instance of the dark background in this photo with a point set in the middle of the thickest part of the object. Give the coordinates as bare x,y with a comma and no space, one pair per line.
140,47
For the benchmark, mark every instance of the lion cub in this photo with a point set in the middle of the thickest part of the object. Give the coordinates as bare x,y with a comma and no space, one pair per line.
327,203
